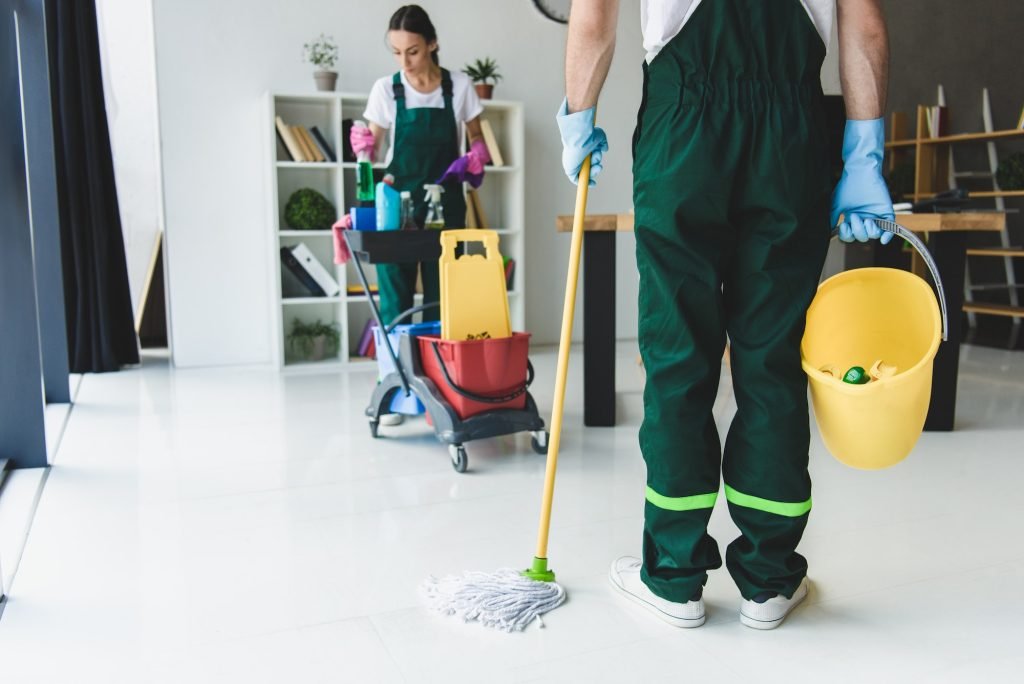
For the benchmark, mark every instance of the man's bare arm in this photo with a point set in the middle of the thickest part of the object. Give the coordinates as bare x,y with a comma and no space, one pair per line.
589,50
863,58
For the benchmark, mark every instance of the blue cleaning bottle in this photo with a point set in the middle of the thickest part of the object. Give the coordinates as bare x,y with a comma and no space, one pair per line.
389,204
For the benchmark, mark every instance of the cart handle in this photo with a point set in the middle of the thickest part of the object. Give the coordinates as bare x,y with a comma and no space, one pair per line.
479,397
410,312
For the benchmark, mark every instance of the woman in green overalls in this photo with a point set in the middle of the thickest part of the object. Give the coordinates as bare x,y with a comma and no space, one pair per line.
425,108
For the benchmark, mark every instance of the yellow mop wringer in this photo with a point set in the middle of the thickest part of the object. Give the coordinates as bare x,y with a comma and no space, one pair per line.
511,599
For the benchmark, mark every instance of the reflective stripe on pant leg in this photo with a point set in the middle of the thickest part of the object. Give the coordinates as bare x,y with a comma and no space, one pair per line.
681,503
790,510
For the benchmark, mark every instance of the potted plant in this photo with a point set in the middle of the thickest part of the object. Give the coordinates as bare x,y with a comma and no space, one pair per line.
313,341
323,54
307,209
484,74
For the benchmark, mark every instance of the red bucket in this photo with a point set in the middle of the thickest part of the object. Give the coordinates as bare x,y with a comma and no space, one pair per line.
478,375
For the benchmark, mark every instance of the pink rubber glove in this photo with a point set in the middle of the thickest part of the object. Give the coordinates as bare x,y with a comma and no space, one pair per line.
478,156
341,253
362,141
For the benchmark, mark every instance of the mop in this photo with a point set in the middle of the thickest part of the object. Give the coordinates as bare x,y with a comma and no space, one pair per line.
510,599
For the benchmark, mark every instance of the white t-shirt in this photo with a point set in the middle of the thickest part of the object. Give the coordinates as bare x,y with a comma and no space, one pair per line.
662,20
381,108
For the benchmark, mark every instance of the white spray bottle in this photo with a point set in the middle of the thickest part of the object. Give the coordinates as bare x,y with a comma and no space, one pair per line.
435,210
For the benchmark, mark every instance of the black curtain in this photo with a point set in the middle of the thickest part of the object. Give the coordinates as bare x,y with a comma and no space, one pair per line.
98,307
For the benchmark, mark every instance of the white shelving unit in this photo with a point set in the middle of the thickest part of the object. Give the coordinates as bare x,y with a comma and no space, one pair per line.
502,196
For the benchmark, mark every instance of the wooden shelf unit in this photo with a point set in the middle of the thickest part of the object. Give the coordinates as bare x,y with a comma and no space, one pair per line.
931,158
502,194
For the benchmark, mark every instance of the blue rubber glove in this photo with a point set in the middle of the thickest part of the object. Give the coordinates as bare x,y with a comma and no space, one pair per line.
579,138
862,194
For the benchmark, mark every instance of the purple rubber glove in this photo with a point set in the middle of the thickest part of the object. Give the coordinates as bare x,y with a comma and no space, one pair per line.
861,195
469,168
362,140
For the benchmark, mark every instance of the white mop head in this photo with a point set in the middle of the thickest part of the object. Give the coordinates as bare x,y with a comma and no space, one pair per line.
504,599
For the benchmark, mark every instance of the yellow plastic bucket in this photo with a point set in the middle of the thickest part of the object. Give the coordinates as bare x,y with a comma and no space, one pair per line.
856,318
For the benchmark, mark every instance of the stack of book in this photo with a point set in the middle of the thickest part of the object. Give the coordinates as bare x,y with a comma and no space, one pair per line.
304,144
309,271
366,347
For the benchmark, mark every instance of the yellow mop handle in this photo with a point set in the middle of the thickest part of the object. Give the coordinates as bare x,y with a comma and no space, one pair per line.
568,311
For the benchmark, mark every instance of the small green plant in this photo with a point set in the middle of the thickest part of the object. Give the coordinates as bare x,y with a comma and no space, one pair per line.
302,338
322,52
1010,174
482,71
307,209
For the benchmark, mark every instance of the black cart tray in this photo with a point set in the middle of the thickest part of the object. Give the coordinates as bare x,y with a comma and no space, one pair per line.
395,246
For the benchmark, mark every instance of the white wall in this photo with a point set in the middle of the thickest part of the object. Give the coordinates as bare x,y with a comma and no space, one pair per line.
216,59
129,85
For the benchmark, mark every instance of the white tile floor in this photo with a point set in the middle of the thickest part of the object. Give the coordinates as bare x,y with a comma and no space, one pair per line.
241,525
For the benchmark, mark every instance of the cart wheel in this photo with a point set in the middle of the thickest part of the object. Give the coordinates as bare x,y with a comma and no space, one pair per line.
459,459
539,442
373,428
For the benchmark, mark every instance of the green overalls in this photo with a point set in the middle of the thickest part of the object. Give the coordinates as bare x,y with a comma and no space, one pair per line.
426,142
731,192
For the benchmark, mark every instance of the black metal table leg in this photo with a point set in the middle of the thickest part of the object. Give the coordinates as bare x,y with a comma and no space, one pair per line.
599,329
949,249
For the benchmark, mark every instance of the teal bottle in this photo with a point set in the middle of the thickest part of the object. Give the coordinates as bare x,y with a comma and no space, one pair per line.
388,204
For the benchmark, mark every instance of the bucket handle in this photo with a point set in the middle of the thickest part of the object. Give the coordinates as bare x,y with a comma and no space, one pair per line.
483,399
917,244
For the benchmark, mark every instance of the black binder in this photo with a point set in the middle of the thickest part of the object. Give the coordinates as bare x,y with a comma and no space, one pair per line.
289,260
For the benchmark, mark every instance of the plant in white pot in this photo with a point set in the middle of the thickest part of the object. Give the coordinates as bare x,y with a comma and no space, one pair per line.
323,54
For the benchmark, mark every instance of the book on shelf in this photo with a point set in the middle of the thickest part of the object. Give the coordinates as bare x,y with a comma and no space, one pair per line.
306,152
937,121
476,208
358,289
492,143
288,138
316,269
300,273
321,142
366,338
311,145
510,272
310,272
347,155
1020,122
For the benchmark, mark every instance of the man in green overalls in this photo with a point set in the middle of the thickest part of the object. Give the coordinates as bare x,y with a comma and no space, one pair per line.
732,198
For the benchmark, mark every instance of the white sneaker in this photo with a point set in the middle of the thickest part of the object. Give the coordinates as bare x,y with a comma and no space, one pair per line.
771,613
625,577
391,419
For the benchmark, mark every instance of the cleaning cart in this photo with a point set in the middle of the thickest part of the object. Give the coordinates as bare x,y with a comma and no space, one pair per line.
459,410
